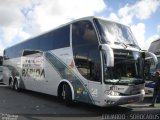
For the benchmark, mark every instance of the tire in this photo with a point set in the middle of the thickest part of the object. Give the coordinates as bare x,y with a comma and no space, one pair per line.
11,84
66,94
16,86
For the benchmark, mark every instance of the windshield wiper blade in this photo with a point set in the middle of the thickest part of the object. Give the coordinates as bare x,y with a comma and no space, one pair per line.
121,43
129,44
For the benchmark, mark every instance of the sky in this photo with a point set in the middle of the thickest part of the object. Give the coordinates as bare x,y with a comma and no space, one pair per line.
22,19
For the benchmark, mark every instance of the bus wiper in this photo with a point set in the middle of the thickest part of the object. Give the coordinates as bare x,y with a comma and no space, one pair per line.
130,44
121,43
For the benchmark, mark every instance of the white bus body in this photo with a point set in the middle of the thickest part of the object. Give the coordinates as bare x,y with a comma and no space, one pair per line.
89,60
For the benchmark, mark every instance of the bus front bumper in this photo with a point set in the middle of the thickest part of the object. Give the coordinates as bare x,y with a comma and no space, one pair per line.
120,100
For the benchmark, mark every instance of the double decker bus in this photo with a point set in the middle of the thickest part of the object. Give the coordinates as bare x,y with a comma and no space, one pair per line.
91,60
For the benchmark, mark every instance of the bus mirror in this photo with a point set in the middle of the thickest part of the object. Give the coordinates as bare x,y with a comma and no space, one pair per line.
155,60
109,55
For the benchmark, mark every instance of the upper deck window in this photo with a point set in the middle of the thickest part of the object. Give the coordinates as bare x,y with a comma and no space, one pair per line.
115,33
85,50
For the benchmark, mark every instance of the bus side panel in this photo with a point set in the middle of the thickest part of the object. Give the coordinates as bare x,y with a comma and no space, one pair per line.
38,75
49,84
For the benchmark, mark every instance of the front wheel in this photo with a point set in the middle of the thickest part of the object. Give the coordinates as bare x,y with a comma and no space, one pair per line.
66,94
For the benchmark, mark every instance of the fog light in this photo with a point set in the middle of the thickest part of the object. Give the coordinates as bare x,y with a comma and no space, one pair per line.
109,102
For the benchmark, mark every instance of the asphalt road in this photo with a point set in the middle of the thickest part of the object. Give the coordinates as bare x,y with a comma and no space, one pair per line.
32,105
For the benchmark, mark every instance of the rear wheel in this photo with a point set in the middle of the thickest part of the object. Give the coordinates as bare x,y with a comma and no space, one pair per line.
11,84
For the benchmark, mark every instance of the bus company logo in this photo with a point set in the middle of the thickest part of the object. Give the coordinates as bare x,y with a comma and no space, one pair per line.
37,61
72,64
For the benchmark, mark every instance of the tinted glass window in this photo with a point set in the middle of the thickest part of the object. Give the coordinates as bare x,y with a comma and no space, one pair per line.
60,38
13,52
30,52
85,50
55,39
83,33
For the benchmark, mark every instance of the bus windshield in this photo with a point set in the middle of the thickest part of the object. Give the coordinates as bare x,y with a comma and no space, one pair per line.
126,70
116,33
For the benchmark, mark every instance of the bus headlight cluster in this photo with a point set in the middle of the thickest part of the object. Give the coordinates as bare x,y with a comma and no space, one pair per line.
112,93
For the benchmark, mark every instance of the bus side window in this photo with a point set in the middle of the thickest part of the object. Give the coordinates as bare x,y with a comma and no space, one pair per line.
85,50
30,52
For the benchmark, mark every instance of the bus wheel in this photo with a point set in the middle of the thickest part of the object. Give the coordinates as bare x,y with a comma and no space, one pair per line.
11,84
16,86
66,94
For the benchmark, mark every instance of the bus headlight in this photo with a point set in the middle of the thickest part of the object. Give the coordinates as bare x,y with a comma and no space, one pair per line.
112,93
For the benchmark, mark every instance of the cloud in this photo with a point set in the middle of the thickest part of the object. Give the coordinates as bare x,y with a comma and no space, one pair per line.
24,35
10,12
151,39
145,8
113,16
9,33
158,29
139,33
141,10
10,17
12,20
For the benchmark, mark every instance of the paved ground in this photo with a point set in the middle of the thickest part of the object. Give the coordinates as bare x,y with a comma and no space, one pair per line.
31,105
